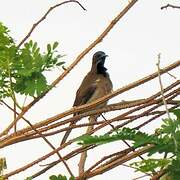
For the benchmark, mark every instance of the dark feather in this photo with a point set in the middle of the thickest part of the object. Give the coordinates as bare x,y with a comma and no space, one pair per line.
83,98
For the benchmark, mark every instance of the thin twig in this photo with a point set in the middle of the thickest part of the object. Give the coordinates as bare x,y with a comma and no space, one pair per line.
44,17
145,175
170,5
171,75
115,162
161,86
155,117
164,100
14,111
158,175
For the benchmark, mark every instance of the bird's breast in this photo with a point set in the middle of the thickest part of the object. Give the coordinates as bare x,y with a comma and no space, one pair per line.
103,87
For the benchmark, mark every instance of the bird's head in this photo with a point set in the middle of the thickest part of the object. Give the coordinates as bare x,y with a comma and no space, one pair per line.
98,62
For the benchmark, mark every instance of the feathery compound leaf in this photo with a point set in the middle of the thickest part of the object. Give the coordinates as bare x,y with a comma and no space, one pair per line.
21,70
150,165
137,137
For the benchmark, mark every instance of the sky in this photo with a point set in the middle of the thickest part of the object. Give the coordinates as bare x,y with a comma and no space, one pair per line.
132,46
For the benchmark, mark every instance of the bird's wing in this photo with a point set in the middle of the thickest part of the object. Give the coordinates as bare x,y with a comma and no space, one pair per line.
84,94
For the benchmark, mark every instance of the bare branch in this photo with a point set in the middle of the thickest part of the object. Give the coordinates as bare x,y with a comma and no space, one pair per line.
44,17
161,86
170,5
84,154
115,162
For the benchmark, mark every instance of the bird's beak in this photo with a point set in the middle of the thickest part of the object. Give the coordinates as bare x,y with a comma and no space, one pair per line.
105,55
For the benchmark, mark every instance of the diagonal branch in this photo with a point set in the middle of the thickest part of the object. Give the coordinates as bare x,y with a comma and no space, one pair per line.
115,162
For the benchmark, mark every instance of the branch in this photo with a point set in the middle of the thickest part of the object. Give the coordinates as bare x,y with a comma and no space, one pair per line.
44,17
161,85
68,156
155,117
164,101
44,138
115,162
83,156
158,175
134,110
169,5
105,158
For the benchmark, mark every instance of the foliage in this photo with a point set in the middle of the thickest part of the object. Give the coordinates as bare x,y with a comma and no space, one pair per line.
139,138
60,177
29,178
149,165
21,70
3,165
166,141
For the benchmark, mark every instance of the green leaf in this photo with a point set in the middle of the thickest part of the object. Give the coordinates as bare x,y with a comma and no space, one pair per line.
60,63
72,178
176,112
150,165
55,45
59,177
25,66
3,165
138,137
30,43
53,177
34,47
49,48
33,85
174,169
29,178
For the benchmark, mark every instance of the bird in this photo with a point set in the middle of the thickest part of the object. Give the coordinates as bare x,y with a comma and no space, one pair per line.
96,84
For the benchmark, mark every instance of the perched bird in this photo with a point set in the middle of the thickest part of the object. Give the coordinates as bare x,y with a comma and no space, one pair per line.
96,84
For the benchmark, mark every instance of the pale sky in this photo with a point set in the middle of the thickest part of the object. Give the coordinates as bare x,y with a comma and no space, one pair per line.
132,46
